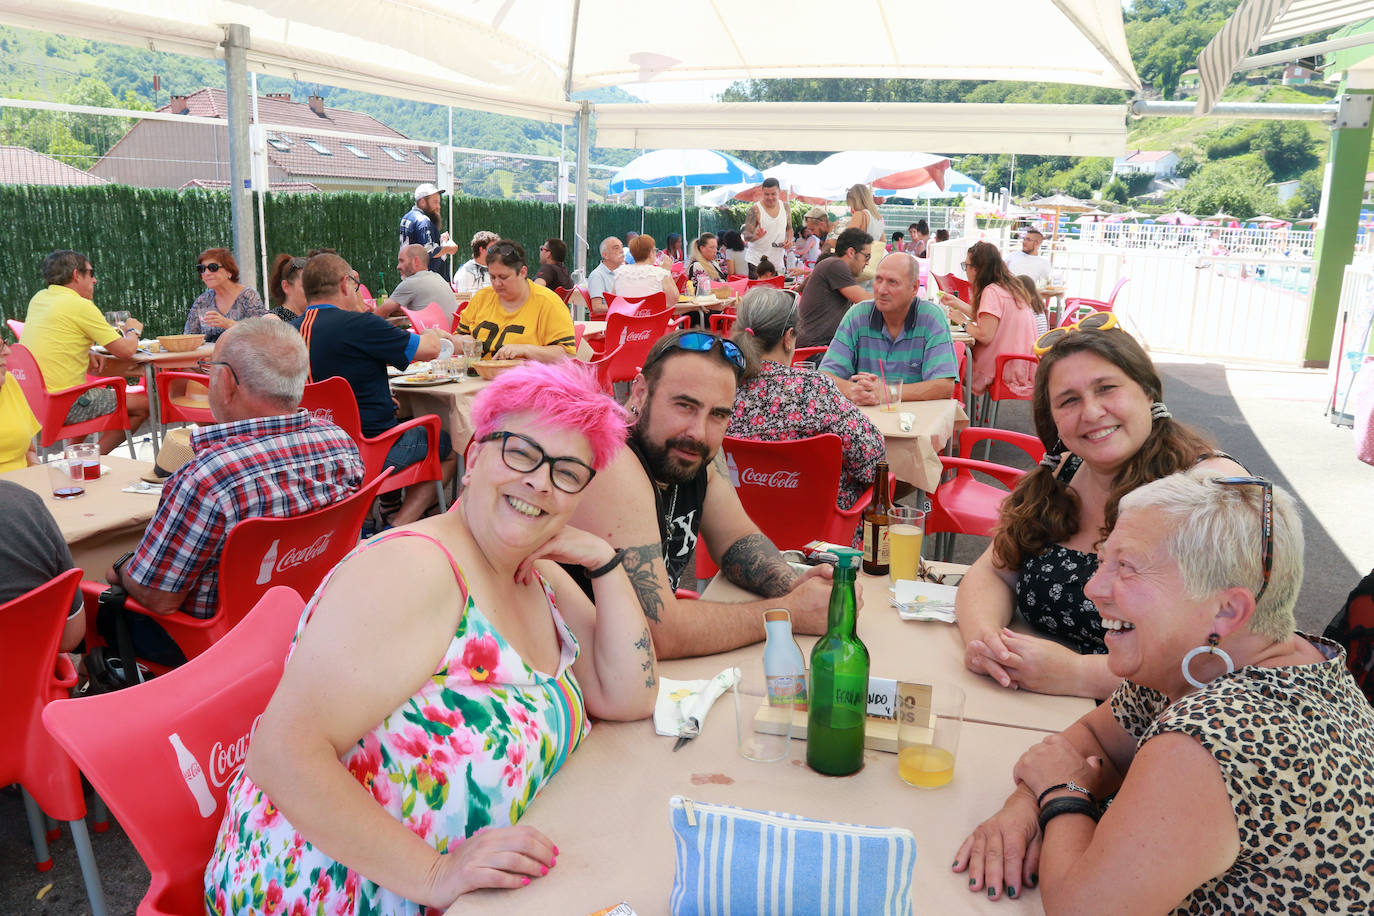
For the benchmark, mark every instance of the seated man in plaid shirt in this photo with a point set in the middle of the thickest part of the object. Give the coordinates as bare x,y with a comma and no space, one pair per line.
263,457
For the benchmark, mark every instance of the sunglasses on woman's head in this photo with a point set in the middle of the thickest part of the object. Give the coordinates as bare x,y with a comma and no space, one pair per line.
1097,321
211,268
1266,523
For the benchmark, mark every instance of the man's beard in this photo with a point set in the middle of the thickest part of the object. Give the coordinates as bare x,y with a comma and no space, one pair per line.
665,467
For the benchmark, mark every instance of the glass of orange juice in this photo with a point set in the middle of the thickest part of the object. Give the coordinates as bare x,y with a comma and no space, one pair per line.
929,720
906,529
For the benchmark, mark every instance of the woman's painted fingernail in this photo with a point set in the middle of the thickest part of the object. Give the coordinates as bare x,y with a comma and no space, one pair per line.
524,882
555,850
992,891
543,870
954,864
553,862
1011,892
1035,880
972,881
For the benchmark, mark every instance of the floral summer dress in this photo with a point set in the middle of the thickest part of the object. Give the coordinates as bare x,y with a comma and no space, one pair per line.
470,750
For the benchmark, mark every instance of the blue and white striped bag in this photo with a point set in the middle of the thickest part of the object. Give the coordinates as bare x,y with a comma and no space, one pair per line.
738,861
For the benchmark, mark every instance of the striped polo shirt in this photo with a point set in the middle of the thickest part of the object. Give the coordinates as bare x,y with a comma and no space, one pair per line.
924,351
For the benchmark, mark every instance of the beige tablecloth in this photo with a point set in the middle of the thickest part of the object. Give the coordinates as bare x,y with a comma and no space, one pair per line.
922,651
607,811
104,523
915,456
452,402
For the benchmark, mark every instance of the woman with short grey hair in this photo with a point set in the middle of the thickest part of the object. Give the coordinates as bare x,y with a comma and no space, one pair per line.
781,402
1236,750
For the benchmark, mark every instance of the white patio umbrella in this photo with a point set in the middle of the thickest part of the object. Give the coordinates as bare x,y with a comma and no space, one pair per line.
884,170
679,168
797,181
956,184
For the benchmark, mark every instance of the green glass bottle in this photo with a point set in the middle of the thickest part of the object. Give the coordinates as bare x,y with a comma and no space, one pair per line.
839,680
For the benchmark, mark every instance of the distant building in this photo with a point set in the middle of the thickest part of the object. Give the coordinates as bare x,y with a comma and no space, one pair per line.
167,154
1188,79
21,165
1159,163
1286,190
1295,74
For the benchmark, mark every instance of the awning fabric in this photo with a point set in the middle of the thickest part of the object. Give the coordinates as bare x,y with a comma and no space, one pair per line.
524,57
1257,23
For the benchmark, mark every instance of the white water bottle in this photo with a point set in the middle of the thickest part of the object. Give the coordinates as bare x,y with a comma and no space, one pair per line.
783,665
194,775
733,470
269,562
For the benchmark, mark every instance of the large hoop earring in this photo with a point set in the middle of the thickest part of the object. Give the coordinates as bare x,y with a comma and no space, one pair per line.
1210,649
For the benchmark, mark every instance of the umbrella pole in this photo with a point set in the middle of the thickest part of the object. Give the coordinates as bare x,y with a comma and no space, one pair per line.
684,217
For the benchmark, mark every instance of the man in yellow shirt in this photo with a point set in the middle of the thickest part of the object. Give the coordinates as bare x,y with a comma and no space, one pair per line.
514,318
60,328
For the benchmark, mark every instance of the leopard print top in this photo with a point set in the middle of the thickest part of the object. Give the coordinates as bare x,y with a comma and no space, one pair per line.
1294,745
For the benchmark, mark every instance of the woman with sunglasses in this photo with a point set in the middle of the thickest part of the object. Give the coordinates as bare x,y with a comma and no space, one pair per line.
1235,751
444,672
1098,407
284,287
225,300
780,402
999,319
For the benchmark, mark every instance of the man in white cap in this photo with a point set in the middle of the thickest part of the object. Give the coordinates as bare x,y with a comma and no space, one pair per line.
420,226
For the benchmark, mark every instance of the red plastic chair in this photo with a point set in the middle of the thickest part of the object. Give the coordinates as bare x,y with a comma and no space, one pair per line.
963,504
34,675
183,397
564,294
1076,304
651,304
333,400
803,355
164,753
259,554
722,322
961,361
775,282
956,285
16,328
789,489
999,391
639,332
610,368
431,316
729,277
738,285
458,315
51,407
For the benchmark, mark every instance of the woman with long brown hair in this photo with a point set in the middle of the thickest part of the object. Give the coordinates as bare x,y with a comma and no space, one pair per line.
1000,318
1098,408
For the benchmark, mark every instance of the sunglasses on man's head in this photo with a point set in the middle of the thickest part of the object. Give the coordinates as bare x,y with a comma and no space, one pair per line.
700,342
210,268
1097,321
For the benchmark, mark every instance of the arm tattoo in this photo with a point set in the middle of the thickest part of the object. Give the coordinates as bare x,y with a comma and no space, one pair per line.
753,563
645,645
751,222
639,565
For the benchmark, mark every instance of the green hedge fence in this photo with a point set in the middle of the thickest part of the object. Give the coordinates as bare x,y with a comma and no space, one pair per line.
143,242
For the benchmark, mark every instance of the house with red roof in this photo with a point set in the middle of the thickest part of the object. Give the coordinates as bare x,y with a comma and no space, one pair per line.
21,165
1159,163
171,154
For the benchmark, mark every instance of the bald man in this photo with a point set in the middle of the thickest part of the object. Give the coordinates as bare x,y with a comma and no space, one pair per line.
419,287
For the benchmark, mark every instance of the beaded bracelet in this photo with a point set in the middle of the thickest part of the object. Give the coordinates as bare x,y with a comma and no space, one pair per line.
1070,785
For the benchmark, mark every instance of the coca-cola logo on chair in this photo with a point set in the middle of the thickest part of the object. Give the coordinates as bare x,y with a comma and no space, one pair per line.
777,480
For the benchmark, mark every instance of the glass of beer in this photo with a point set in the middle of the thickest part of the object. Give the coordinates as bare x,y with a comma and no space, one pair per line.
929,720
906,529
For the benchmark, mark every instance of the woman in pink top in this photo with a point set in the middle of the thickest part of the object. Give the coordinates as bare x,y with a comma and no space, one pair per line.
999,320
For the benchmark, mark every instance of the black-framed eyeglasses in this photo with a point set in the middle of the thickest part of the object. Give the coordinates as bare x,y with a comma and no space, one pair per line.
204,365
355,280
523,454
700,342
210,268
89,271
1266,522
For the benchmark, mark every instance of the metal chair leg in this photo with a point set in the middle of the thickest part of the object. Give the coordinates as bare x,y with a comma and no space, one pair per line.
89,873
129,440
37,831
100,815
443,496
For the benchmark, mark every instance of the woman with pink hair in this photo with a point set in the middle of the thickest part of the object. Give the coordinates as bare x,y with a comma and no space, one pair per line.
442,674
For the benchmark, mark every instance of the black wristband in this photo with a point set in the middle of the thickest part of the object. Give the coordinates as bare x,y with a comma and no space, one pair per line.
610,564
1071,785
1058,806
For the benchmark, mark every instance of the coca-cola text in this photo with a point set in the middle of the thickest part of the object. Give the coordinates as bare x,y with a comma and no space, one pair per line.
225,760
778,480
298,555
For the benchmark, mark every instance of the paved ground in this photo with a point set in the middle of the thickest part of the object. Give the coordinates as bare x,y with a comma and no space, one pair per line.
1270,419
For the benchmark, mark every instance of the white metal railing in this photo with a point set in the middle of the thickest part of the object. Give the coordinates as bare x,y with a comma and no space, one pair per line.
1351,345
1210,239
1223,307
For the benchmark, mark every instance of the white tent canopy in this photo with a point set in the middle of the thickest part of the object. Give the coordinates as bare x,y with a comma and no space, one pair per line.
525,57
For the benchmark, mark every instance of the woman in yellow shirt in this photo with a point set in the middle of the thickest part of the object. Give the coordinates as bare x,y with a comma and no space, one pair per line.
17,422
514,318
